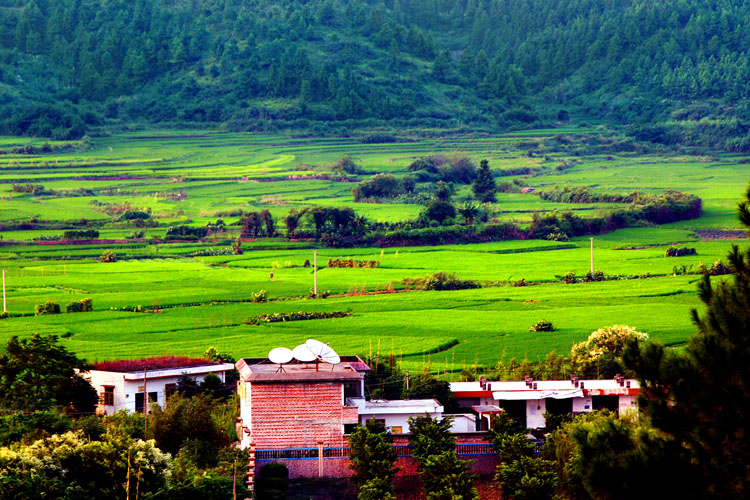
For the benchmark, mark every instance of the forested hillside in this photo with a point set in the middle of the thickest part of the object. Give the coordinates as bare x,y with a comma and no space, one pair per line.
672,71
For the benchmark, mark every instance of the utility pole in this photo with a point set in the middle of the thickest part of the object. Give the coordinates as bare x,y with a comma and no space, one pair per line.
592,255
315,273
145,401
407,383
5,301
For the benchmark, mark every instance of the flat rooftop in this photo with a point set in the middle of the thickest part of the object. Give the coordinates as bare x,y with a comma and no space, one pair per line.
262,370
153,364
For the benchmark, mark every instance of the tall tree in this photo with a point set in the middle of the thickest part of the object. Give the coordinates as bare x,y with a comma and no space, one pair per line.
371,458
700,397
484,186
444,475
37,373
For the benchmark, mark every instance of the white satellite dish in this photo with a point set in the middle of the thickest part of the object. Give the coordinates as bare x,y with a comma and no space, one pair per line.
303,354
280,355
322,352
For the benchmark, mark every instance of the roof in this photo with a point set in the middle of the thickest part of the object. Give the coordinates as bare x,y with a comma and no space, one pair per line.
517,389
152,364
261,370
400,406
487,409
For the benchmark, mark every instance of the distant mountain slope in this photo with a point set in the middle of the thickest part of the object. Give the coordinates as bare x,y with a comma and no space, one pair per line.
67,65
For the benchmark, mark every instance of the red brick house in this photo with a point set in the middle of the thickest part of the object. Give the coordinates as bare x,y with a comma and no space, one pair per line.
303,405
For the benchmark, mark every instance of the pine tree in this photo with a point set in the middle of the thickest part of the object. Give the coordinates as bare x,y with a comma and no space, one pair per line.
700,397
484,187
372,458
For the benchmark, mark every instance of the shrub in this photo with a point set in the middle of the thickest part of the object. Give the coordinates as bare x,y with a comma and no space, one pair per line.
597,275
679,251
273,481
259,297
557,237
542,326
441,281
368,264
90,234
83,305
108,256
48,307
569,277
296,316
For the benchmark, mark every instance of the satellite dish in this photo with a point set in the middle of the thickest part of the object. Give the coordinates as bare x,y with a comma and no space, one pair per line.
323,352
303,354
280,355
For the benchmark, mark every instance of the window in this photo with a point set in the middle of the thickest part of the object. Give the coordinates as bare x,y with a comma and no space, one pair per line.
108,396
352,390
169,390
397,429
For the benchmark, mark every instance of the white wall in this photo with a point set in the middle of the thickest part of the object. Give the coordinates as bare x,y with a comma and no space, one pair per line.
125,390
464,422
535,409
393,420
581,405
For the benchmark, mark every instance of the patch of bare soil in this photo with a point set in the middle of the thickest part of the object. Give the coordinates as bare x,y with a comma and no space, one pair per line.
720,234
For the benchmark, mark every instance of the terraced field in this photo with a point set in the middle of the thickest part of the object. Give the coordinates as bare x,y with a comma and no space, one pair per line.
198,298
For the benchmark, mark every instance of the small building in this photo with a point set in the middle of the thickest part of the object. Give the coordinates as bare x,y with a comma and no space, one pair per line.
526,401
395,414
123,384
298,404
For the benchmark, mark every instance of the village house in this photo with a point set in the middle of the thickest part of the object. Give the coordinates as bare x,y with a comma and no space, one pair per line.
526,401
298,404
122,385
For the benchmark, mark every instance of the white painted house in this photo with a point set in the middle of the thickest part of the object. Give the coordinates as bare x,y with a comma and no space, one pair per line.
395,414
527,400
122,385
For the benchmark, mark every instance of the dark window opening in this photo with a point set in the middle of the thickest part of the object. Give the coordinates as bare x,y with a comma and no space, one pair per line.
108,396
515,410
611,403
352,390
169,391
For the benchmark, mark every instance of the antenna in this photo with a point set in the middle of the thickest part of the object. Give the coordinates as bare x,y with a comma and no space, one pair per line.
322,352
280,355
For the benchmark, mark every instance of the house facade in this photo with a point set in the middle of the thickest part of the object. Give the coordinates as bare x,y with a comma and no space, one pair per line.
298,404
125,384
526,401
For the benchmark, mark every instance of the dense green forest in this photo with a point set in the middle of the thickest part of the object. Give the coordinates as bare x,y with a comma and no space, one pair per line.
671,71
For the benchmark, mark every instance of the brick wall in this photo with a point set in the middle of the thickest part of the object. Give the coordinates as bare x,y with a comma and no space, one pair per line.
299,415
312,466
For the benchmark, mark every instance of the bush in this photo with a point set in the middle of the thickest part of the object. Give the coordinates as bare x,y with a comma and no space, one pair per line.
597,275
542,326
569,277
259,297
679,251
108,256
273,482
83,305
90,234
49,307
368,264
296,316
441,281
557,237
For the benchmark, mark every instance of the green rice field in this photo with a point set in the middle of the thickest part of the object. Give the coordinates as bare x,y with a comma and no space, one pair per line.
196,300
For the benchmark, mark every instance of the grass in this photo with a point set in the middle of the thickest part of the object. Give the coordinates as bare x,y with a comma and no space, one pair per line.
202,300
